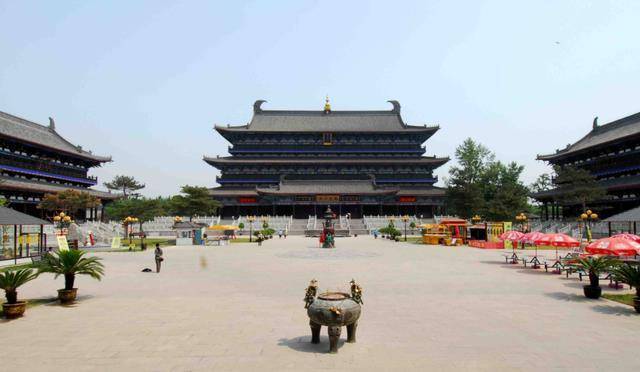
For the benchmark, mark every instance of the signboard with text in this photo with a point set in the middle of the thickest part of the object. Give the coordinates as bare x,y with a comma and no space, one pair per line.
327,198
63,245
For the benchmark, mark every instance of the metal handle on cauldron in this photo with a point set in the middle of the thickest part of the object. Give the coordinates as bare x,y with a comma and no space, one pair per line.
335,310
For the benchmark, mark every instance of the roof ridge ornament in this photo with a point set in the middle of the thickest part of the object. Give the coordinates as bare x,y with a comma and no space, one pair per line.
396,106
256,106
327,105
595,122
52,124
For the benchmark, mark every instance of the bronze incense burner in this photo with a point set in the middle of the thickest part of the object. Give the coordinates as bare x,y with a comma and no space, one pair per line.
333,310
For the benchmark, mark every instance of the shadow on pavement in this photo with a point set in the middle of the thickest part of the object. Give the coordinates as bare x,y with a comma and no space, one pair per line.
532,271
568,297
616,310
496,262
303,344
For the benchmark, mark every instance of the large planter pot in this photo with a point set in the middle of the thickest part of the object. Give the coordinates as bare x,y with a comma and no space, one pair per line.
636,304
67,296
592,292
12,311
333,310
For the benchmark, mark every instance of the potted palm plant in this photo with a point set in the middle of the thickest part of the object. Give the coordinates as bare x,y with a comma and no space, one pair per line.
630,275
10,281
71,263
594,266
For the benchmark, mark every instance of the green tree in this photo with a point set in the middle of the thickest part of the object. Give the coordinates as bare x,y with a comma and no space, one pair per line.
577,186
143,209
464,192
69,201
481,185
542,183
194,201
503,193
126,184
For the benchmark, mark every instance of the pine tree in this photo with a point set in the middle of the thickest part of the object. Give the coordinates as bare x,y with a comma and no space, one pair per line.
126,184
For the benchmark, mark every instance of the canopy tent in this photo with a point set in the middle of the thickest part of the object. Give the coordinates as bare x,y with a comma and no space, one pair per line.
21,240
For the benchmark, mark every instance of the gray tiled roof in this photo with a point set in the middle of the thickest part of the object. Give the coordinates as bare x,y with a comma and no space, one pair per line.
401,161
20,184
319,121
630,215
27,131
601,135
326,187
9,216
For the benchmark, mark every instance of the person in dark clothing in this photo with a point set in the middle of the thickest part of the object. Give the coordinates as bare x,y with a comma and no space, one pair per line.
159,258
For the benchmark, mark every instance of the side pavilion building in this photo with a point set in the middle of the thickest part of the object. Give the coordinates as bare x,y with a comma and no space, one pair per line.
297,162
610,152
36,160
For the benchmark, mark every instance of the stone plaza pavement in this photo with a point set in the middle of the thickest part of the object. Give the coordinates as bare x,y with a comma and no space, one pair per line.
239,307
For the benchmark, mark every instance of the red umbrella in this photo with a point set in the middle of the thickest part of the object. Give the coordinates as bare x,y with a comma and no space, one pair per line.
557,240
532,237
512,235
614,246
633,237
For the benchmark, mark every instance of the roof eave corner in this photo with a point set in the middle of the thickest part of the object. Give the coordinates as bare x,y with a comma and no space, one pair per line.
396,110
545,157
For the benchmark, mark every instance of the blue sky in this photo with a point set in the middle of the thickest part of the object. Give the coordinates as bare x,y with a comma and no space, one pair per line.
146,81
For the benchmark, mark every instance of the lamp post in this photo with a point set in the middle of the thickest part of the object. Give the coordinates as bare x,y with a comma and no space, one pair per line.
405,219
587,218
62,221
521,219
127,223
251,219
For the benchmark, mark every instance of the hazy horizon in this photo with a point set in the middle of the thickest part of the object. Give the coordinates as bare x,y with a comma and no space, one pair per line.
146,82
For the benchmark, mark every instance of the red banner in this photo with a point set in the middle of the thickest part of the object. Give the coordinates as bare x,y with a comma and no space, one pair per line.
246,200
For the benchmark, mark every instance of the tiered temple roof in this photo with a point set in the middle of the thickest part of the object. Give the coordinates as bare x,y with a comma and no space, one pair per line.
286,158
611,153
35,159
600,136
45,136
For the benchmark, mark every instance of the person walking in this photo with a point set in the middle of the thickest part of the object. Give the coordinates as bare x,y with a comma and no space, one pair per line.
159,258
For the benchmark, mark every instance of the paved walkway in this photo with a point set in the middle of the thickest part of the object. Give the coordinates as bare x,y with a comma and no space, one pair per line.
239,307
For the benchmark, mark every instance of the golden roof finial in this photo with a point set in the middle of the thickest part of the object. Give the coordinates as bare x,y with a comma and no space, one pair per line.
327,105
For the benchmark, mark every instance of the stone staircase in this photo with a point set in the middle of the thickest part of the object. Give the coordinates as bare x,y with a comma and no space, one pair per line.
298,226
358,227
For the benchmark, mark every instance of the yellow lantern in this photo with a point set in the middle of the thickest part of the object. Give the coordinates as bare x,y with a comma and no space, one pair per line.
62,215
56,218
589,212
594,216
584,216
